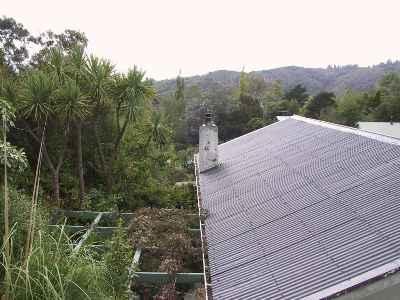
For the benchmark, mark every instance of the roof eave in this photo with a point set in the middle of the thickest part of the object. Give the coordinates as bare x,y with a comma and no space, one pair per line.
331,291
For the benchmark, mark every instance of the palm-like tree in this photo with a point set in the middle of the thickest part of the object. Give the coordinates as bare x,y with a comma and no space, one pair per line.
129,93
98,77
76,66
56,64
132,93
73,107
36,96
159,133
37,105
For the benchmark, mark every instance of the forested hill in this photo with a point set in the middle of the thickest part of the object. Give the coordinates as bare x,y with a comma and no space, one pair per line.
333,79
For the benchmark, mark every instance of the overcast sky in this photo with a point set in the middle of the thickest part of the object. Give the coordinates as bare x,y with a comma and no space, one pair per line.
199,36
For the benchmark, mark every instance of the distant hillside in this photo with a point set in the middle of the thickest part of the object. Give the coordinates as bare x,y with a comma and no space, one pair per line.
333,79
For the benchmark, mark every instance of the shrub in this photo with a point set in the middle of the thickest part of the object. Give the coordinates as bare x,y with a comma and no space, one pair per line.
118,259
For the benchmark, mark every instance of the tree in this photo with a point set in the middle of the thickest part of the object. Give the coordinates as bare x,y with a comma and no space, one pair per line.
63,42
16,158
319,104
98,75
389,93
14,42
133,93
249,108
298,93
175,108
349,108
126,97
73,107
37,105
76,64
159,134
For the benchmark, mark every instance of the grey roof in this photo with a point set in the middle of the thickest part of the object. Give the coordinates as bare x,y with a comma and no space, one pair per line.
301,209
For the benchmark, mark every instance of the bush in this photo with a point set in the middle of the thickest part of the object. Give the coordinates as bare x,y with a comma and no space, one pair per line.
99,201
118,259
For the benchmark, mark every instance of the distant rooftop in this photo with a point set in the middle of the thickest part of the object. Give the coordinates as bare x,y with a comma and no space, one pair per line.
301,209
384,128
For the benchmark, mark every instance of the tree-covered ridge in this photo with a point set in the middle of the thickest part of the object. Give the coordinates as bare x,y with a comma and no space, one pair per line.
254,102
335,79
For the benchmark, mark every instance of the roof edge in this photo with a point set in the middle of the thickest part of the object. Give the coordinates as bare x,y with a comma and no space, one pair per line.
331,291
343,128
202,232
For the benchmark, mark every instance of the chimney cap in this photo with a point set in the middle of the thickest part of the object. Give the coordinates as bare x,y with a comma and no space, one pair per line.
208,117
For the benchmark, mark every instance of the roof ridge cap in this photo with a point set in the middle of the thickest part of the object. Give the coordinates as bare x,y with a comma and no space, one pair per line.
348,129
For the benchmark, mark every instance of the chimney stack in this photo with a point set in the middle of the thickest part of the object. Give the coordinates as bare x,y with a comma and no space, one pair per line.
208,144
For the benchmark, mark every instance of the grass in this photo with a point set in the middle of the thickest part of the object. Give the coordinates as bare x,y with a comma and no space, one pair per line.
52,271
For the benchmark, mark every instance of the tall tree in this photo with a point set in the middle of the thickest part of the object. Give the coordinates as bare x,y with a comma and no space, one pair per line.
64,42
76,65
37,105
350,108
249,114
14,42
98,75
297,93
389,90
319,104
73,107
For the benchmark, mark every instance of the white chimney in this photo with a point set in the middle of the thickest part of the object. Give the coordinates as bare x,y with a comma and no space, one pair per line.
208,145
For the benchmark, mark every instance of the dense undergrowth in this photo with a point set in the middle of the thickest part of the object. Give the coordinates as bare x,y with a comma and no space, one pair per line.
53,270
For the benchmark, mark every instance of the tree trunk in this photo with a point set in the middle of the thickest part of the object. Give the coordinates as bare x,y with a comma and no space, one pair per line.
55,170
80,162
109,179
106,166
56,187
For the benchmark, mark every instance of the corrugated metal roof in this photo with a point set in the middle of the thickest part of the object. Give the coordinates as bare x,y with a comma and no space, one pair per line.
301,208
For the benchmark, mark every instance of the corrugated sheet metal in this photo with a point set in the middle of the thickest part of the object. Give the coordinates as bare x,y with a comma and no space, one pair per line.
296,208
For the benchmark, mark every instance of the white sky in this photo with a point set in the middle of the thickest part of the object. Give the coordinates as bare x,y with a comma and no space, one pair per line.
199,36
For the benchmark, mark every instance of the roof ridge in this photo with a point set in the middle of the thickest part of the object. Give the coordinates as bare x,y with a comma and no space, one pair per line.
348,129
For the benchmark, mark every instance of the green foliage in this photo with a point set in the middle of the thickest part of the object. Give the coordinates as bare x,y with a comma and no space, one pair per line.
389,93
16,158
133,93
318,105
298,93
19,217
97,74
336,79
349,109
54,272
97,200
14,43
254,123
174,110
36,95
117,260
71,104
